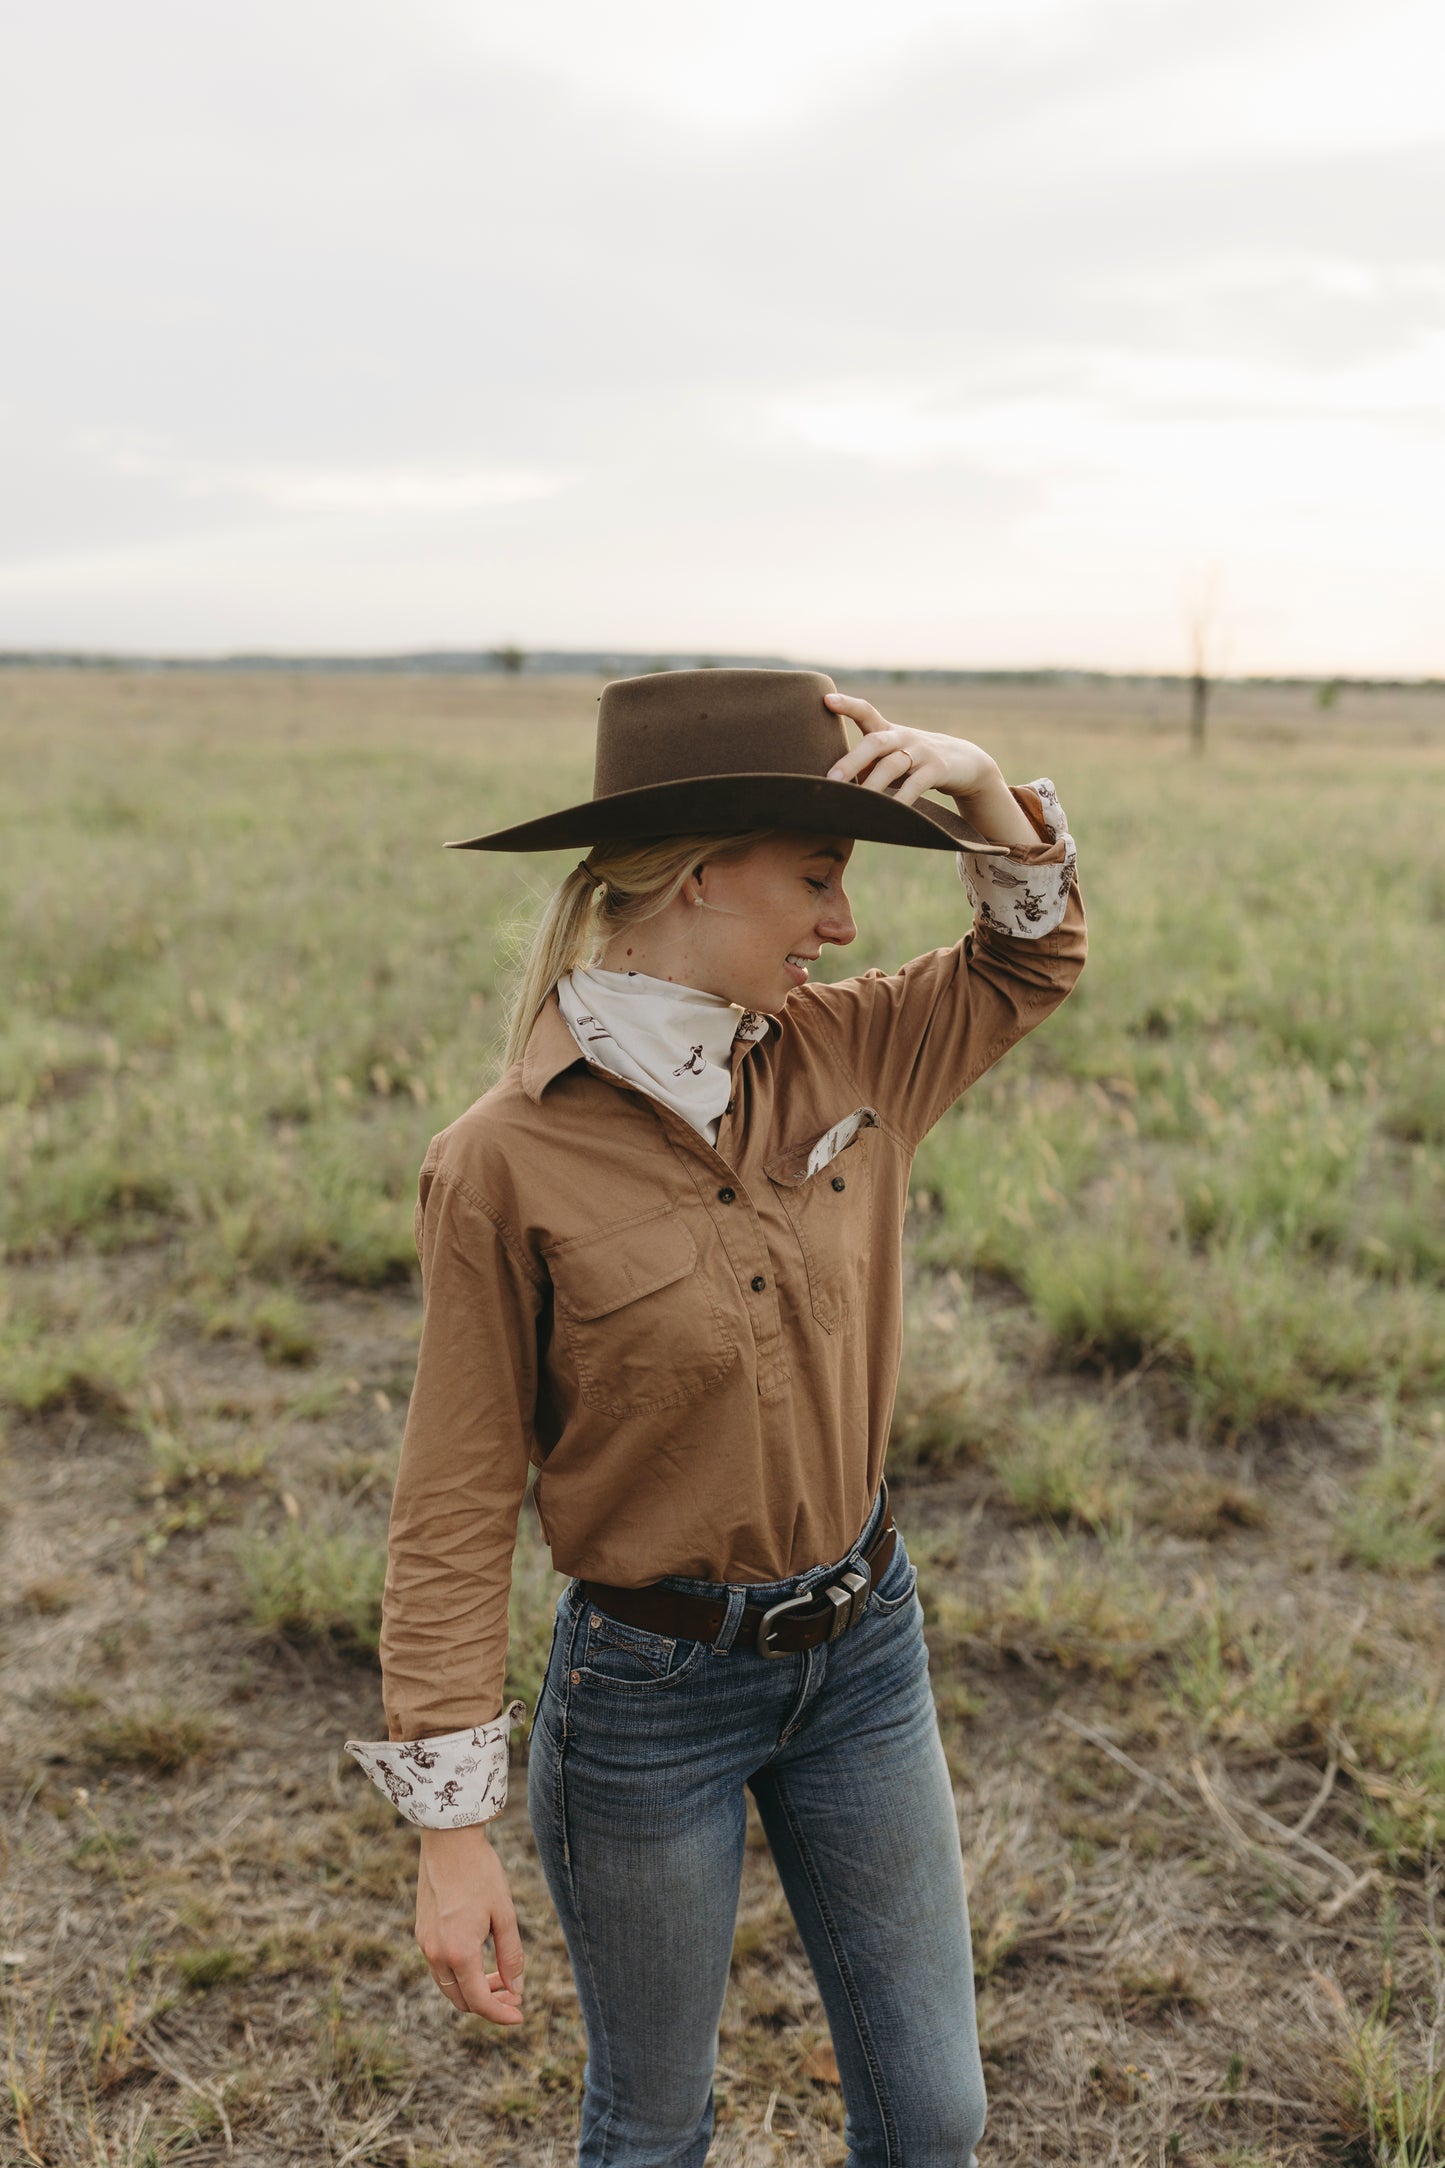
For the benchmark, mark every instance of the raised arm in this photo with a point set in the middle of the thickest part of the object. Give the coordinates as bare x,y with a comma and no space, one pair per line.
915,1038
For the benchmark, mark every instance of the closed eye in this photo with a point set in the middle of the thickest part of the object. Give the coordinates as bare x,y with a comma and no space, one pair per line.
820,887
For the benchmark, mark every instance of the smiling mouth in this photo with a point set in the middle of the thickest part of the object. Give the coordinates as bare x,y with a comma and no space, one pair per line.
801,963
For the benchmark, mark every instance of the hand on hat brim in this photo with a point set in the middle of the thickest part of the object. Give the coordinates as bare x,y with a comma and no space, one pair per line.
904,761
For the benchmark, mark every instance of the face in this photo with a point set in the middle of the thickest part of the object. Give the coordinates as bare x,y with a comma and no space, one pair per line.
749,929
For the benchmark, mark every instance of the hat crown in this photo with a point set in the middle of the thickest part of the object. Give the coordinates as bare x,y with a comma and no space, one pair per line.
674,725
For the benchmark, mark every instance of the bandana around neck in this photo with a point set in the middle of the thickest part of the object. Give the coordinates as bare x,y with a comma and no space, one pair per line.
674,1042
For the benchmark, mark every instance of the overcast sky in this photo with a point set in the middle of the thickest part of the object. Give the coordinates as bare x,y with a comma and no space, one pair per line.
982,332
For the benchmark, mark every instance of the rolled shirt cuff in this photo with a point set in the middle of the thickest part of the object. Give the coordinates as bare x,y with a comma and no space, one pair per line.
1013,897
451,1781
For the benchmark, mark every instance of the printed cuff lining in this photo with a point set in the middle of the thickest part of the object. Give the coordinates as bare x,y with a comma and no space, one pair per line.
1026,901
451,1781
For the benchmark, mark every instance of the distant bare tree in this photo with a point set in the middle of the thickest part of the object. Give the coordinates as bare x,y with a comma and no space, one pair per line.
1202,616
510,659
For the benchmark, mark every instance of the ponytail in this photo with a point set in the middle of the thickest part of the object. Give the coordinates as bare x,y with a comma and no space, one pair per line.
564,939
618,885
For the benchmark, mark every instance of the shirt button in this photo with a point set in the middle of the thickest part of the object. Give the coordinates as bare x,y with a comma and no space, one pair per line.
759,1283
838,1182
726,1196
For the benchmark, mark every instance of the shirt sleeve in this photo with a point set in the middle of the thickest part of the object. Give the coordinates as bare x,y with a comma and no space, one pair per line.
914,1039
464,1458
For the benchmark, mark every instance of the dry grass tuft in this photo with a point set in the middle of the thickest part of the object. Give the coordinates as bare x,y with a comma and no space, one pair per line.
156,1738
1078,1606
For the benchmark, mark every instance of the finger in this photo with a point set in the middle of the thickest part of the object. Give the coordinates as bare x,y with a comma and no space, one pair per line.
507,1944
497,2005
449,1987
889,769
860,756
861,712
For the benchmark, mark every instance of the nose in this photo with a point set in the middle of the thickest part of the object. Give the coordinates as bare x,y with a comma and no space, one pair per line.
835,922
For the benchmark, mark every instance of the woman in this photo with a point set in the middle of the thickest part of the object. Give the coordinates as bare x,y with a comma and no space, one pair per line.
661,1262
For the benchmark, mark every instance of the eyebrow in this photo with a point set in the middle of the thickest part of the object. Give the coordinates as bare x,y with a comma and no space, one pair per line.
827,852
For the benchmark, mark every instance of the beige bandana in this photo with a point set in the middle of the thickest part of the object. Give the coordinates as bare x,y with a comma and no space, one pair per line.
674,1042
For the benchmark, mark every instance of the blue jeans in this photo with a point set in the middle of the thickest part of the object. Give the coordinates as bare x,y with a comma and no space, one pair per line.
641,1749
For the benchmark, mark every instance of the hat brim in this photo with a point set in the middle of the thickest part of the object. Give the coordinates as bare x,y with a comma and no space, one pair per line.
725,804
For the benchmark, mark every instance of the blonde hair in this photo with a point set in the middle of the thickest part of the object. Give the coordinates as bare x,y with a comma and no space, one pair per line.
634,882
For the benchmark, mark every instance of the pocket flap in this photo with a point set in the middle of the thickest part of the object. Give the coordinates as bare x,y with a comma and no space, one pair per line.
795,1163
599,1273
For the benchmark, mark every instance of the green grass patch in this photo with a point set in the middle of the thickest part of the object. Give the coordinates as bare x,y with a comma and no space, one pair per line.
48,1363
307,1581
202,1969
1082,1606
1258,1338
1394,1521
1243,1680
957,1399
1105,1290
1064,1463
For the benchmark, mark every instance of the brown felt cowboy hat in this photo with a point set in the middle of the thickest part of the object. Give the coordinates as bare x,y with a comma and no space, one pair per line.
714,752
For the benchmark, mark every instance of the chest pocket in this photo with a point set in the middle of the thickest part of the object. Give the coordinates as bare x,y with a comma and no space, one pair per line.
639,1320
826,1189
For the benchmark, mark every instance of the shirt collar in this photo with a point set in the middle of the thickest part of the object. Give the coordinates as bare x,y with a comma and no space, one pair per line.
551,1048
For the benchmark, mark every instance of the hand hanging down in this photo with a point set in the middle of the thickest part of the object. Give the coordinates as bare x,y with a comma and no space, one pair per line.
462,1898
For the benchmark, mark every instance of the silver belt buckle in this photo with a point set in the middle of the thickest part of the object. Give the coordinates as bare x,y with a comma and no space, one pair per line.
847,1594
765,1624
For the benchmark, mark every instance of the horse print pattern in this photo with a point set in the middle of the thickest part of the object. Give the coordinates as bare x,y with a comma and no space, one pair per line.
451,1781
1025,901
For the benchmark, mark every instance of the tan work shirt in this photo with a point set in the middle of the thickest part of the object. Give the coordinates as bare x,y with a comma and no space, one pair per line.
697,1346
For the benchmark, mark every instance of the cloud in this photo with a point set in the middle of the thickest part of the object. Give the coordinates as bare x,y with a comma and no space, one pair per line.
652,325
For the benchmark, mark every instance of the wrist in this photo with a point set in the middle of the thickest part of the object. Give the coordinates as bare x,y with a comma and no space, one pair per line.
995,812
982,782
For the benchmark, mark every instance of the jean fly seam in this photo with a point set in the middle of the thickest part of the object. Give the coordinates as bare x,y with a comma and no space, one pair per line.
855,2003
812,1659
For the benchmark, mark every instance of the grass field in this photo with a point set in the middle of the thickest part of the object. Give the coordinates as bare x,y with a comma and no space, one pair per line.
1169,1445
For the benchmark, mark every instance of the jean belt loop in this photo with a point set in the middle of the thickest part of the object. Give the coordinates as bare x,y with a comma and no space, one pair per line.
732,1619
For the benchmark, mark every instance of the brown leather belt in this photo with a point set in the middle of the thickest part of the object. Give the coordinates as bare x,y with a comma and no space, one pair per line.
780,1629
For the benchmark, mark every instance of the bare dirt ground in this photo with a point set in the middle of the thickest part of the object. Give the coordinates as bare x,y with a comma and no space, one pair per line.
1198,1839
215,1963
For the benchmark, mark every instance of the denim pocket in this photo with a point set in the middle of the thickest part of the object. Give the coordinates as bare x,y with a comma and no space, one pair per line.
617,1655
896,1588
